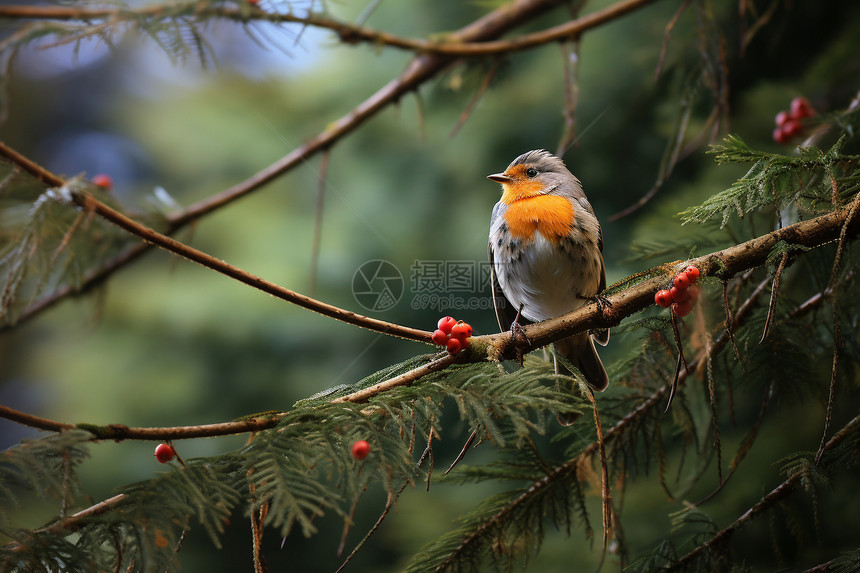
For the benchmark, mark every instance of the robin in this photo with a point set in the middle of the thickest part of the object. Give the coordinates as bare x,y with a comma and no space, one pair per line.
546,256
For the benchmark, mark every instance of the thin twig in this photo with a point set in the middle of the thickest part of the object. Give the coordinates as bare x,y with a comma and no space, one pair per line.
837,335
605,494
729,322
712,400
744,448
676,376
74,521
748,33
775,495
428,453
670,158
462,453
389,503
167,243
774,290
817,299
67,484
318,220
404,379
682,360
669,27
467,112
570,66
347,524
256,530
452,46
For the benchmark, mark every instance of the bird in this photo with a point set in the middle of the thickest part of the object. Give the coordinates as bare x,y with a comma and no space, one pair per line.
546,257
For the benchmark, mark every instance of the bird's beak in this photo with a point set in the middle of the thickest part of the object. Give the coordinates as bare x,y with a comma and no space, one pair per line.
500,177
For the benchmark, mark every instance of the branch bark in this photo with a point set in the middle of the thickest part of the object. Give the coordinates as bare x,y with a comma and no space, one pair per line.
119,432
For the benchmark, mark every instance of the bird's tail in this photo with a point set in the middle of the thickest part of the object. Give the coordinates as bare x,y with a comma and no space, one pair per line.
579,350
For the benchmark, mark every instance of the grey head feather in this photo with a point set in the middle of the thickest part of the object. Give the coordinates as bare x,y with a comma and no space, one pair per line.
543,161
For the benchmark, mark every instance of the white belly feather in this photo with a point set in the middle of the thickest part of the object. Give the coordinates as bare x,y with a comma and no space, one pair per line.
547,281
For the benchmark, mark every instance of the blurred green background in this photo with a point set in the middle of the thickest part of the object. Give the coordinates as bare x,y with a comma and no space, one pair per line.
169,343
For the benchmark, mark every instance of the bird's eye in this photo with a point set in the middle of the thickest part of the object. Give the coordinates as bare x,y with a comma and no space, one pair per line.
531,172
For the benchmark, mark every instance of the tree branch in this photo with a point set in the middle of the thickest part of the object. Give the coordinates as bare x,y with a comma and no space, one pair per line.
28,165
422,68
72,522
778,493
119,432
90,203
33,421
452,46
404,379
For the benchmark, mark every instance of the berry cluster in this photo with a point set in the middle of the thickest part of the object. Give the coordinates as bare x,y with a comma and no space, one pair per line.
452,334
788,123
680,296
360,449
164,453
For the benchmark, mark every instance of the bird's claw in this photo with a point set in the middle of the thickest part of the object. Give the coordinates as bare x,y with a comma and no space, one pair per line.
518,336
601,301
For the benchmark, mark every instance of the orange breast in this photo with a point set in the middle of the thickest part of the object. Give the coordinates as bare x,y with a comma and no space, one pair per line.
550,215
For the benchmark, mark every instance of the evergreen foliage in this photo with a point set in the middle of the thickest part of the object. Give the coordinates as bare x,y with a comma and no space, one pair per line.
46,245
804,181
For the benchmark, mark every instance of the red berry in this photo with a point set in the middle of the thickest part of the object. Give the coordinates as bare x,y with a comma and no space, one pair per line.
692,273
663,298
164,453
360,449
461,330
792,128
681,281
800,108
104,181
439,337
781,118
682,308
779,135
679,294
446,323
454,346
